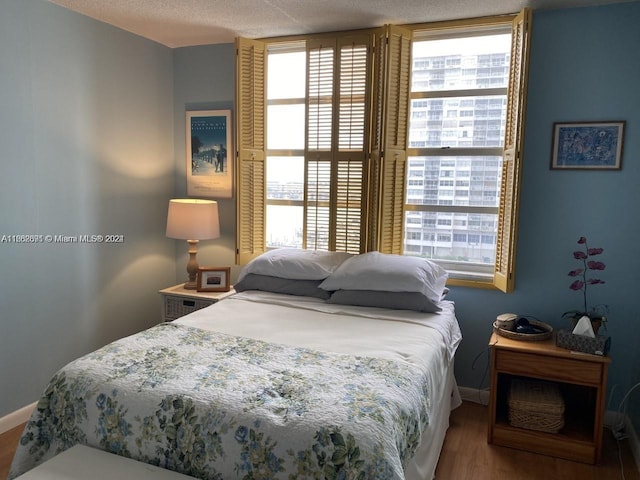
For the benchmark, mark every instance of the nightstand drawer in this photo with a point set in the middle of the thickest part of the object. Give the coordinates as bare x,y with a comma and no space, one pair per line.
176,307
562,369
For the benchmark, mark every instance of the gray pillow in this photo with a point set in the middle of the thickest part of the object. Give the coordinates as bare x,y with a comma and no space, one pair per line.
377,298
295,263
388,273
267,283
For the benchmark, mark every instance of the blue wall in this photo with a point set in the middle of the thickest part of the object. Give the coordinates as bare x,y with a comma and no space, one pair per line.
204,79
585,65
86,147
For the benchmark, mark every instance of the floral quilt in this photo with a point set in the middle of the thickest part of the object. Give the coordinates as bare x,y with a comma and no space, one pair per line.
216,406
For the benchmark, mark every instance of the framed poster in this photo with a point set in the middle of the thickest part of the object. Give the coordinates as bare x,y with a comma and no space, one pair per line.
209,154
587,146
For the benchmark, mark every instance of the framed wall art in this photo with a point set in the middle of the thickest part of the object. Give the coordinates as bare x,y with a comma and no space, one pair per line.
209,154
587,146
214,279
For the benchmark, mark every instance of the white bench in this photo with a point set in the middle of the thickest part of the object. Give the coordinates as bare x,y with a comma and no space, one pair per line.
83,463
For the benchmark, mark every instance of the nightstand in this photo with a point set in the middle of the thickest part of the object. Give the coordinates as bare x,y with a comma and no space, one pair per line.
177,301
582,380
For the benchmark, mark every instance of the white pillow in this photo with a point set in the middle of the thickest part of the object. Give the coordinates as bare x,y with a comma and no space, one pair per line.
389,273
295,263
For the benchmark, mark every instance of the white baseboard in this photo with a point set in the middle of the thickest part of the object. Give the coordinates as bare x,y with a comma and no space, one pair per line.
634,443
16,418
612,419
474,395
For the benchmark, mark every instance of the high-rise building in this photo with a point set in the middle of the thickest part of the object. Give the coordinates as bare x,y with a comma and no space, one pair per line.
452,123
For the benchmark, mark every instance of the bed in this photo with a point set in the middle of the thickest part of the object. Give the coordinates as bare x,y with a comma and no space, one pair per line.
276,381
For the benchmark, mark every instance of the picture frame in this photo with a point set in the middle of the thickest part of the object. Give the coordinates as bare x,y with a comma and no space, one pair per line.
213,279
209,154
587,145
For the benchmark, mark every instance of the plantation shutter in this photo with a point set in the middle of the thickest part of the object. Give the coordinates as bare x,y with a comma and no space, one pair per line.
338,73
353,139
375,162
512,157
389,142
318,148
251,148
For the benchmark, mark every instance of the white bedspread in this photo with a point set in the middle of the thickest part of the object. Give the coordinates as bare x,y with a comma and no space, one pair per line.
337,328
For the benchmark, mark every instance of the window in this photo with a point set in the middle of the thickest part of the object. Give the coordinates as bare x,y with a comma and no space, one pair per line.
339,157
448,151
468,145
313,165
285,166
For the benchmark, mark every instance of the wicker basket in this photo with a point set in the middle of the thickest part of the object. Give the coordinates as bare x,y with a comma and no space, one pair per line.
176,307
536,405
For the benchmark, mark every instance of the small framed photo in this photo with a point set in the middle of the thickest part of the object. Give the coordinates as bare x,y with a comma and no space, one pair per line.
214,279
587,146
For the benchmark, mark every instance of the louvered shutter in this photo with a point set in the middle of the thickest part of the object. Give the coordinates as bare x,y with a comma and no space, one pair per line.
375,161
512,157
389,143
353,140
337,138
251,148
321,59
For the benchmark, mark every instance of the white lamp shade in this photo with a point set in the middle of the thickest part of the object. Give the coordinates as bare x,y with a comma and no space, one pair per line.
192,219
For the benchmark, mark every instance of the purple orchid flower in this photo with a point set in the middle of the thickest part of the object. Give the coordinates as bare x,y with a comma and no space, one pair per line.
583,256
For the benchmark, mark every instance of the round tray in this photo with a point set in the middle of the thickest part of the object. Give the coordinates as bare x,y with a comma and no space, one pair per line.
531,337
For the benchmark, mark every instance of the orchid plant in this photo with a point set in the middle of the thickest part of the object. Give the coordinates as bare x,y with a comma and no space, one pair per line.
581,283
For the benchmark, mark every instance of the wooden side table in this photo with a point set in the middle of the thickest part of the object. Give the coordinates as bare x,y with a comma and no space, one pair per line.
582,379
178,301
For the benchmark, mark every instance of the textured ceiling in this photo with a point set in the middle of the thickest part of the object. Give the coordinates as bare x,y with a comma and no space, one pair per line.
180,23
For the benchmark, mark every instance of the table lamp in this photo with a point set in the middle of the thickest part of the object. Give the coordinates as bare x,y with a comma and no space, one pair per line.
192,220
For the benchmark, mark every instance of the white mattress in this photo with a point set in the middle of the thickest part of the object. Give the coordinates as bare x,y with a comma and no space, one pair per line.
393,334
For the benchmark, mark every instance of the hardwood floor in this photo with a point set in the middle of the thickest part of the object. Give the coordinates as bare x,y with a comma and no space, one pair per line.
8,444
467,456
